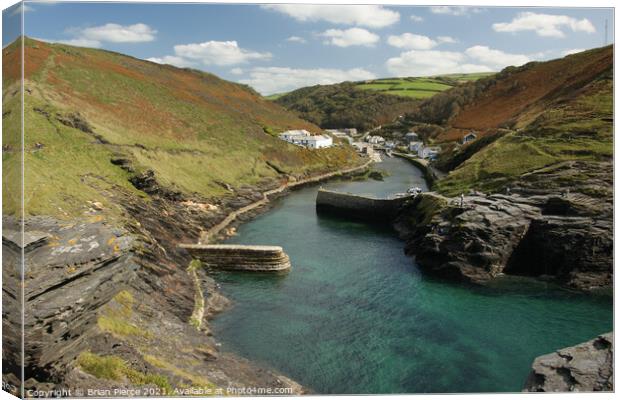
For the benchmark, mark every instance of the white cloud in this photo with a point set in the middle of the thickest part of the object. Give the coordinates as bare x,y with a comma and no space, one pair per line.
112,33
446,39
431,62
545,25
236,71
411,41
218,53
572,51
172,60
350,37
269,80
455,10
296,39
371,16
115,33
495,59
416,18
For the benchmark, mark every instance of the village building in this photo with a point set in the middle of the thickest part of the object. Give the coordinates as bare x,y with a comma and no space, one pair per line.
375,139
414,146
318,141
411,137
428,152
295,135
470,137
302,137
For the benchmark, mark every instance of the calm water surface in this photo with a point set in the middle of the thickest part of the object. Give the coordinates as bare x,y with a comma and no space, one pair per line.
355,315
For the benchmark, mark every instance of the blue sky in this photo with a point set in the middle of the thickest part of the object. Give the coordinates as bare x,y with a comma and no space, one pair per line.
278,48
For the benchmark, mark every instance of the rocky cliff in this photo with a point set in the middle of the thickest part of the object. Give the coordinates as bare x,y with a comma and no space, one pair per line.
102,314
563,237
586,367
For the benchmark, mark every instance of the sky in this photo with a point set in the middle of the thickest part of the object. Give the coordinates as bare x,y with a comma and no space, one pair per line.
279,47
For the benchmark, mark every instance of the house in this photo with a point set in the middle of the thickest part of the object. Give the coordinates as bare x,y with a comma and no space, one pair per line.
411,137
294,136
470,137
350,131
302,137
318,141
390,144
414,146
375,139
428,152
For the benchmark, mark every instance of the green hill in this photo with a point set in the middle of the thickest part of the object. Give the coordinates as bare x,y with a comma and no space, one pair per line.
344,105
96,121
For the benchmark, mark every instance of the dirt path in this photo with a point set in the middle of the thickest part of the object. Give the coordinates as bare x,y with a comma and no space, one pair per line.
233,215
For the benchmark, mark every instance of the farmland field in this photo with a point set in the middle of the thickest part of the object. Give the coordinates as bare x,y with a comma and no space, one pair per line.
419,88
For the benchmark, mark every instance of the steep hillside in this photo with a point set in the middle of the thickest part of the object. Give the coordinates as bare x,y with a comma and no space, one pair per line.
125,159
344,105
97,121
528,118
543,160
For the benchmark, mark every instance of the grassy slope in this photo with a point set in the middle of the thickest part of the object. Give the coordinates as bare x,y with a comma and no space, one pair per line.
191,128
560,110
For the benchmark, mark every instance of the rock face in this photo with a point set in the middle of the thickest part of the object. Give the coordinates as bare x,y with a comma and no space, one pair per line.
563,237
586,367
94,290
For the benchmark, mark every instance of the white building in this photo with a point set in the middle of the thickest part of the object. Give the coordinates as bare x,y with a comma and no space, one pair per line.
375,139
302,137
414,146
470,137
318,141
411,137
428,152
294,136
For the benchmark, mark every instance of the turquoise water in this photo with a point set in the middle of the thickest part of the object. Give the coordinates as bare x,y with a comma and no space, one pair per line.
355,315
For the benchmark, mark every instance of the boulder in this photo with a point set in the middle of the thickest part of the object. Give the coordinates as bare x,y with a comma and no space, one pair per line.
586,367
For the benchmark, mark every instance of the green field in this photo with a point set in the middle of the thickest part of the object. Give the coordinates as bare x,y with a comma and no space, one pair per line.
419,88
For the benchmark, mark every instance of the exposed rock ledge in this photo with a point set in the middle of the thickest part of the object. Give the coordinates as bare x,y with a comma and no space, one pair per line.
586,367
567,238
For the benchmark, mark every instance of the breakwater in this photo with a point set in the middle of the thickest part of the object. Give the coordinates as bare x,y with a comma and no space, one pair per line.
240,257
358,206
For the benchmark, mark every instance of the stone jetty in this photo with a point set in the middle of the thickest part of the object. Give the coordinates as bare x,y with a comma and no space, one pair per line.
240,257
360,207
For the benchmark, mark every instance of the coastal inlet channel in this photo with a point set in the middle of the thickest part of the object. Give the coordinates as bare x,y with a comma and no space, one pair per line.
355,315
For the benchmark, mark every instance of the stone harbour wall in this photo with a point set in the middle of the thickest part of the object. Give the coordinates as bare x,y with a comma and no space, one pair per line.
240,257
357,206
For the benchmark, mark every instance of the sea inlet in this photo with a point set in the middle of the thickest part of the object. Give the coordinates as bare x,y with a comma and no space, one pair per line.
356,316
